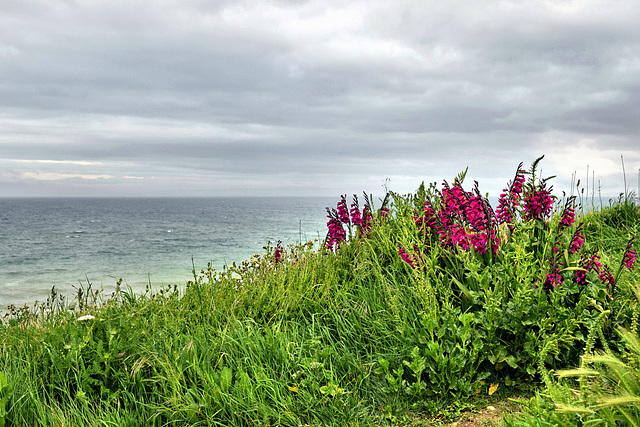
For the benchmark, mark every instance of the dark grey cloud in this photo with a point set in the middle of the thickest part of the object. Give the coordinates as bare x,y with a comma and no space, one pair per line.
311,97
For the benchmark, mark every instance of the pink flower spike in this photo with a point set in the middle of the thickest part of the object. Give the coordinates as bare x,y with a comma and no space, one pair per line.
568,214
629,257
577,240
278,255
356,217
552,280
343,213
406,257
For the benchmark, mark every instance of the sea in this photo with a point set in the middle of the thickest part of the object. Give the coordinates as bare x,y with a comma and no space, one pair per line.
71,242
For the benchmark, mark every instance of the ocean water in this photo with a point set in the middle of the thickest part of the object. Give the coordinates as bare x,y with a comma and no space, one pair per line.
65,242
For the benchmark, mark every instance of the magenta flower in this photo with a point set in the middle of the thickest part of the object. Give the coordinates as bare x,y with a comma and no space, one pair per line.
336,233
365,224
606,277
464,220
278,255
518,183
568,215
504,212
356,217
510,199
629,257
343,213
577,240
552,280
479,242
538,203
406,257
594,262
581,276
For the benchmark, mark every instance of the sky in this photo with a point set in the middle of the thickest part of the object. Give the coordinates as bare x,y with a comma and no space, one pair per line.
314,98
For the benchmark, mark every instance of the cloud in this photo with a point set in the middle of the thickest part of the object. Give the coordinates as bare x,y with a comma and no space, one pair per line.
310,97
51,176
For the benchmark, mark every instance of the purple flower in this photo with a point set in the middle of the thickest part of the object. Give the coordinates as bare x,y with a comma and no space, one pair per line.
606,277
510,199
406,257
581,277
594,262
365,223
278,255
577,240
479,242
568,214
552,280
356,217
336,234
629,257
518,183
504,212
538,203
343,213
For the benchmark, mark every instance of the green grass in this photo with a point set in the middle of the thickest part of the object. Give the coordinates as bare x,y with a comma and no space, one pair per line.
352,337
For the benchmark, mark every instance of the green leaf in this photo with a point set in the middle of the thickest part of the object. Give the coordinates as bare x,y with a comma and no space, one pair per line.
225,379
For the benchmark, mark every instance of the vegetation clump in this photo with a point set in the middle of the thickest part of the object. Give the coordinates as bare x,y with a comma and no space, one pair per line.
404,315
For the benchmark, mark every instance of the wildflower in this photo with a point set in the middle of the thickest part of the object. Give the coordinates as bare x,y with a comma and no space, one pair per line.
383,212
458,237
336,233
429,215
629,257
510,199
581,276
278,255
577,240
85,317
479,242
503,213
552,280
406,257
568,215
343,213
356,217
594,262
606,277
365,224
538,203
518,183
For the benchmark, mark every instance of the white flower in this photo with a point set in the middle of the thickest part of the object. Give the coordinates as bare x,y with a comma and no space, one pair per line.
85,317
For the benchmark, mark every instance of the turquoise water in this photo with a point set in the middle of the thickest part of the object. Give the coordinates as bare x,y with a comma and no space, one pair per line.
65,242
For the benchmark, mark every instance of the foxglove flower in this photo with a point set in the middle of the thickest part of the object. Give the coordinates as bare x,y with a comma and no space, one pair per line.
552,281
356,217
278,255
577,240
581,274
594,262
510,199
406,257
538,203
568,215
343,213
336,233
606,277
629,257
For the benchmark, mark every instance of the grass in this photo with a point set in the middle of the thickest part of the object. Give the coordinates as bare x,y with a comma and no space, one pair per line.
355,335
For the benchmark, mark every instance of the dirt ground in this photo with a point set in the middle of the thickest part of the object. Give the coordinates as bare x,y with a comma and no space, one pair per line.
490,415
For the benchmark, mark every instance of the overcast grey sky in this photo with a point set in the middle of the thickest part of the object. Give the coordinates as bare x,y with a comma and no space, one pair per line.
318,97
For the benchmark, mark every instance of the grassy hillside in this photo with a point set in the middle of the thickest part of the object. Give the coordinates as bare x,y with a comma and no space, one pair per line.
408,311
